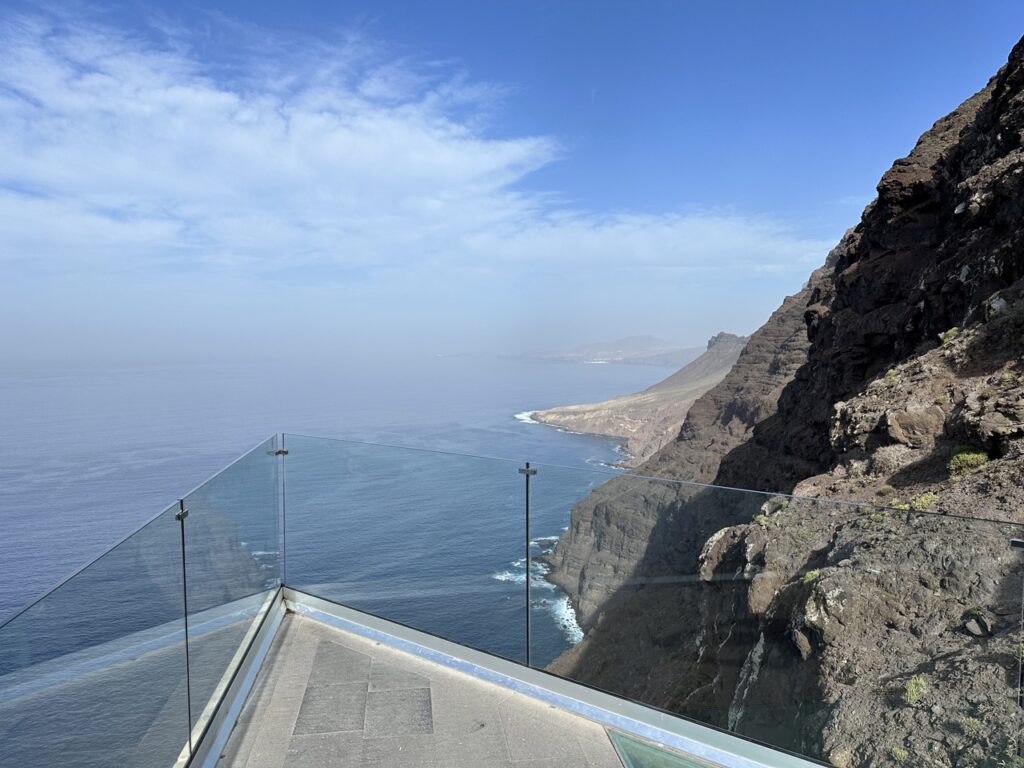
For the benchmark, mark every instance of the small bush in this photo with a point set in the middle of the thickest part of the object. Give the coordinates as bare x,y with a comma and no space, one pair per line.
914,690
924,501
761,520
811,576
891,378
966,460
947,337
971,726
899,754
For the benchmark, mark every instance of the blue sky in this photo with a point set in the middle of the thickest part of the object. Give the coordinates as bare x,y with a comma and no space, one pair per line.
258,178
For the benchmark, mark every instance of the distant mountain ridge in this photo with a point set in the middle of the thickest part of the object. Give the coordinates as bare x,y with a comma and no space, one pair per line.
649,419
630,350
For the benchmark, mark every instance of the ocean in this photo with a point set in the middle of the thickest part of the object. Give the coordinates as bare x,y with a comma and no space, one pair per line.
88,455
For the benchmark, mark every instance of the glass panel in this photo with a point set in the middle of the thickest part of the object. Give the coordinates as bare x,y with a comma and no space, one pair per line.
641,754
93,674
432,540
233,570
846,632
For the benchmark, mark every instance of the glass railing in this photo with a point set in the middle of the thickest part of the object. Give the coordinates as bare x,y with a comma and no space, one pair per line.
848,633
842,632
124,662
431,540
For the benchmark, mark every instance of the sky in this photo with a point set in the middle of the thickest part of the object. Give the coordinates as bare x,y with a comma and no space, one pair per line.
266,180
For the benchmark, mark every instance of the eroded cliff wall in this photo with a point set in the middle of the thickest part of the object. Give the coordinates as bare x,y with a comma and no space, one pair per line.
860,635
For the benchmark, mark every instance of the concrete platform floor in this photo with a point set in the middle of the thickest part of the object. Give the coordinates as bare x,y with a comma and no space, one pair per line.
325,697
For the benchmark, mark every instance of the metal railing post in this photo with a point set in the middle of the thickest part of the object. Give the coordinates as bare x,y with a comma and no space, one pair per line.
180,516
527,472
281,453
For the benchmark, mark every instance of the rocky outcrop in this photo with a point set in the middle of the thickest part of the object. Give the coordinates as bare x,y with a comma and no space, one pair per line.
610,533
881,629
647,420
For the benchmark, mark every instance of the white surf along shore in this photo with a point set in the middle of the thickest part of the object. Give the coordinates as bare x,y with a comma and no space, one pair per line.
557,604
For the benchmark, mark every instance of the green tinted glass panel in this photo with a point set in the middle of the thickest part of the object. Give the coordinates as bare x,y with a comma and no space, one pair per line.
642,754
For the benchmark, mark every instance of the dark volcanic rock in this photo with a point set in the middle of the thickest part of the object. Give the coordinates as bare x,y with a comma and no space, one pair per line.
859,634
611,530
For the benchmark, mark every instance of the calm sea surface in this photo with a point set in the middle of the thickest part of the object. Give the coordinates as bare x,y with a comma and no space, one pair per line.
86,456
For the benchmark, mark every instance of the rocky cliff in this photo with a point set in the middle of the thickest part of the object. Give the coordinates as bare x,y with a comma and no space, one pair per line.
647,420
884,631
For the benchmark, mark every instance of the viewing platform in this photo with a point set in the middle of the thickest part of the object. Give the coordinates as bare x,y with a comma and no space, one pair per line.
326,603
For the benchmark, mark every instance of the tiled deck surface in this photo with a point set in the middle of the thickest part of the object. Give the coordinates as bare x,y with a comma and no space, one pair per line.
325,697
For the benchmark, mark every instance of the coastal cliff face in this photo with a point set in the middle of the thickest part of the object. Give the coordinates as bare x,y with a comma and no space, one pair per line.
859,634
610,531
647,420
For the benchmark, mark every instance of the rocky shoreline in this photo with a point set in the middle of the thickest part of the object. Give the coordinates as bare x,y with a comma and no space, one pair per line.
645,421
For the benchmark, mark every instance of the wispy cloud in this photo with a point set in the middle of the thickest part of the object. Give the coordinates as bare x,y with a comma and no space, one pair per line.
240,152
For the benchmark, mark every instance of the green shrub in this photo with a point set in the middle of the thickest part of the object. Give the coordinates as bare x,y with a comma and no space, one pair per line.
965,460
891,378
811,576
899,754
914,690
923,501
761,520
971,726
947,337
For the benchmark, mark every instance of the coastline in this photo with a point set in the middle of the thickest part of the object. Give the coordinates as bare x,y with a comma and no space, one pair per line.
619,442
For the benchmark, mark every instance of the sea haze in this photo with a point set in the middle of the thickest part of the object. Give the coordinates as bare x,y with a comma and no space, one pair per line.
88,455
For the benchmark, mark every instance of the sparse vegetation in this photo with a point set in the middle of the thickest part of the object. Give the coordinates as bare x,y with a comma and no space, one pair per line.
924,501
886,490
1008,377
965,460
971,726
761,520
947,337
811,576
914,690
891,378
1010,757
899,754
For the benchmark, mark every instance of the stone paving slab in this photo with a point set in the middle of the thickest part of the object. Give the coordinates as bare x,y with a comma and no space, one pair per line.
325,697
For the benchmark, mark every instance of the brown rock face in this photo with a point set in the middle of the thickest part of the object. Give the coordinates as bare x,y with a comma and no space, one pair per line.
611,530
860,634
647,420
